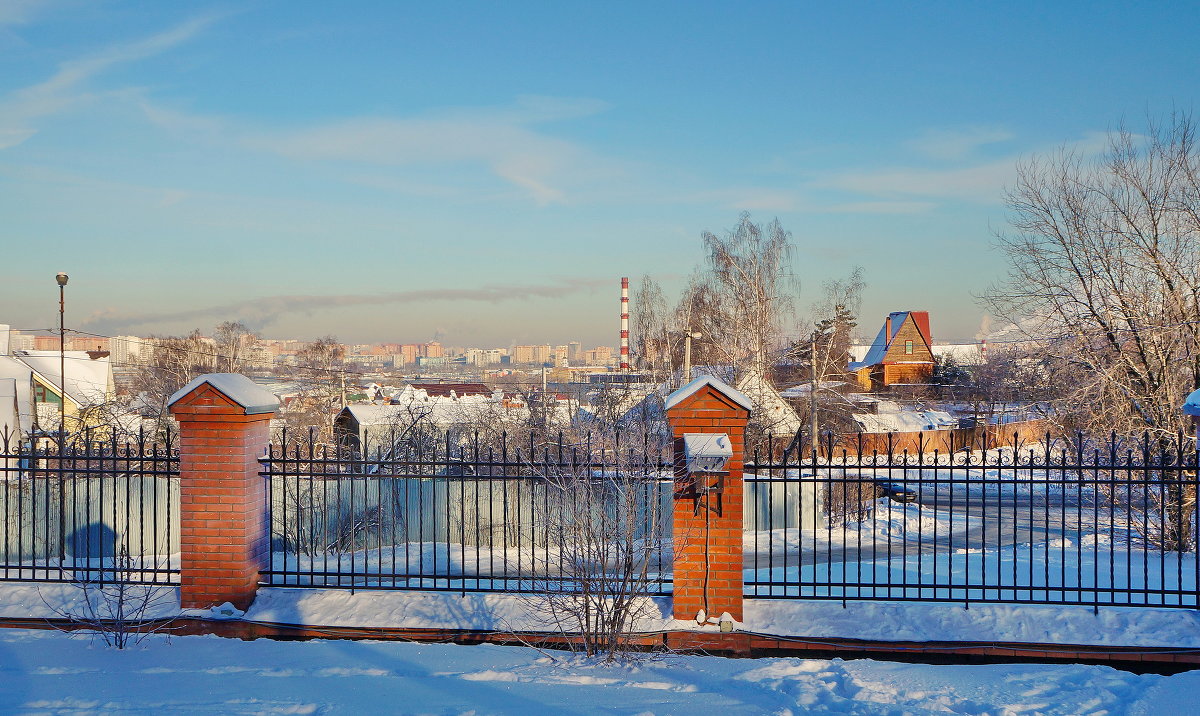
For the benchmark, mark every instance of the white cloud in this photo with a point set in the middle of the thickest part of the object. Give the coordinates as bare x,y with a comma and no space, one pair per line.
502,139
881,207
65,88
766,200
952,144
983,182
19,12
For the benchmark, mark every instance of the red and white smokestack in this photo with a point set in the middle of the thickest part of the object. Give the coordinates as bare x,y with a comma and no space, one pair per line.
983,350
624,324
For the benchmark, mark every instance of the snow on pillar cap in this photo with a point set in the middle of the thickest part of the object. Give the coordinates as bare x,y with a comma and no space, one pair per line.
728,391
1191,406
250,395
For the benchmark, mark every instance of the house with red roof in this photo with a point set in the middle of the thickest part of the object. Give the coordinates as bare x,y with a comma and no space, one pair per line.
902,353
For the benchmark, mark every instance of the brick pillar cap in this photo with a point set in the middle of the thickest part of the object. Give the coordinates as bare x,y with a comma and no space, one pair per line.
696,385
252,397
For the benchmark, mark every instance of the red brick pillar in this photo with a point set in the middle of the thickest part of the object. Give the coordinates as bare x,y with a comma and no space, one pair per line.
702,535
224,427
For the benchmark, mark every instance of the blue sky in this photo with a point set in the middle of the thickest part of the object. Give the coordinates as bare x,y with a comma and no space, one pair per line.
486,172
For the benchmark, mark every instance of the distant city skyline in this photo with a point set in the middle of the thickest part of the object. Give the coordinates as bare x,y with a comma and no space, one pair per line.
483,174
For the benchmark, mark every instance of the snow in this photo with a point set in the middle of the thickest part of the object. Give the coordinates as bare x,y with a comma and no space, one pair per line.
1191,406
808,618
49,672
251,396
707,380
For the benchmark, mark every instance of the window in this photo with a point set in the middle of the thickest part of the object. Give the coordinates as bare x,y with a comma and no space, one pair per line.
42,395
908,347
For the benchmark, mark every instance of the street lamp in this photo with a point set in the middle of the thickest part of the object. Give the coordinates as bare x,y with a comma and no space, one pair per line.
62,361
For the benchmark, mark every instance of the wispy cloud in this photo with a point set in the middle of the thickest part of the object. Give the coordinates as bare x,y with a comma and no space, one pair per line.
954,144
261,312
502,139
19,12
880,207
68,86
981,183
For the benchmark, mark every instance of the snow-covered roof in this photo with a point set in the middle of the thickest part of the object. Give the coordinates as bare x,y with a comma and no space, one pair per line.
10,412
803,389
963,353
252,397
707,380
89,381
412,406
20,376
875,353
780,417
1191,406
906,421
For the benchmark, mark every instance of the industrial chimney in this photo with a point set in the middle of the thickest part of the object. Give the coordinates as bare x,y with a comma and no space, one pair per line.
625,324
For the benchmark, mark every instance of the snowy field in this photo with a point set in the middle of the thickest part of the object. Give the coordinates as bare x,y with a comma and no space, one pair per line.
48,672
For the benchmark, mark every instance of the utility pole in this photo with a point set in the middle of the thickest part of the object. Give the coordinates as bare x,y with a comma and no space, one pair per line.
545,403
61,278
812,393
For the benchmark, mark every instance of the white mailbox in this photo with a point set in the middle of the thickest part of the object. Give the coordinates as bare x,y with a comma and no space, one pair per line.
707,452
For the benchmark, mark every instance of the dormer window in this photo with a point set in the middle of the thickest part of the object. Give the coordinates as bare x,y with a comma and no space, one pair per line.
908,348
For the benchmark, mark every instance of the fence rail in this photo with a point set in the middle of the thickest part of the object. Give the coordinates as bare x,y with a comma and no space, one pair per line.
91,511
1063,522
442,517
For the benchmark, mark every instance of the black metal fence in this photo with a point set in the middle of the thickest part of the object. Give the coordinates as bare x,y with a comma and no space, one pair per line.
92,511
1061,522
419,515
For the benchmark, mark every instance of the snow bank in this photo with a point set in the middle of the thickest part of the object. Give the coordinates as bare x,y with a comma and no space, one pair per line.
48,672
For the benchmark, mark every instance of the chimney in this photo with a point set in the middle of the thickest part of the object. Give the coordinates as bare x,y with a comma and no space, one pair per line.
887,331
625,324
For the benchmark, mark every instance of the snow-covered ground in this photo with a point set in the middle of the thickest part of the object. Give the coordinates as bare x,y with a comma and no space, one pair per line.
877,621
48,672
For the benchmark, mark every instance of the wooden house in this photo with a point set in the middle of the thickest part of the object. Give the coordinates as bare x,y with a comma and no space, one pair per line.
901,354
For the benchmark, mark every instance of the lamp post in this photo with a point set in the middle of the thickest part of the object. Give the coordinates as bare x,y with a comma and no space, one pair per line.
62,361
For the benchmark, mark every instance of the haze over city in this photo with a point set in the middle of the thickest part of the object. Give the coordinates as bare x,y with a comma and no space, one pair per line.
483,174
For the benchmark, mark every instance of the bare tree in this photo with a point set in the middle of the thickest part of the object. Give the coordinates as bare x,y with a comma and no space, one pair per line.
172,362
607,530
234,340
742,298
651,349
311,412
1105,274
821,356
114,607
1105,263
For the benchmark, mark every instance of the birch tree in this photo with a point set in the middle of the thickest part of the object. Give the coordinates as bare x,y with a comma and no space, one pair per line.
742,298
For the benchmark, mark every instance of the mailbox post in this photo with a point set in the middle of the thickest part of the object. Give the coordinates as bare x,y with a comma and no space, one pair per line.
707,458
